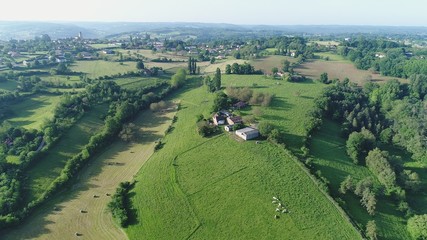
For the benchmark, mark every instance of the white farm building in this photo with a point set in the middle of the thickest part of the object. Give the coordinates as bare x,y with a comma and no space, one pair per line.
247,133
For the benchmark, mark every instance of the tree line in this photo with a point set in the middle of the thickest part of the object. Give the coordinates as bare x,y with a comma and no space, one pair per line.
124,105
372,117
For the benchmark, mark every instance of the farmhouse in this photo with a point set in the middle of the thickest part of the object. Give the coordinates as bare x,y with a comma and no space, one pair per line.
379,55
27,63
247,133
225,113
108,51
234,120
218,119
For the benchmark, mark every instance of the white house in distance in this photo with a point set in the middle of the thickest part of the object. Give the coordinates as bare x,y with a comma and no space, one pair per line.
247,133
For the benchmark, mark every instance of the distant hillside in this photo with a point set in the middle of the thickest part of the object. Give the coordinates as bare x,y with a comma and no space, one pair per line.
28,30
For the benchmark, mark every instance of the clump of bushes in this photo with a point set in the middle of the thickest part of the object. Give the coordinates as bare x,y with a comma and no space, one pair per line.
120,204
205,129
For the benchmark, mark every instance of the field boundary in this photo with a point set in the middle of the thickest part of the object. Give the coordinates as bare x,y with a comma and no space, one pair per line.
329,197
179,189
181,192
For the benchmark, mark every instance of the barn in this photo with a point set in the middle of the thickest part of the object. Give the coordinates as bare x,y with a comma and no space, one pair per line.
247,133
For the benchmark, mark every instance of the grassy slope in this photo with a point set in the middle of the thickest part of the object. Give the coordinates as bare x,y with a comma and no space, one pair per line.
31,112
220,188
49,167
331,158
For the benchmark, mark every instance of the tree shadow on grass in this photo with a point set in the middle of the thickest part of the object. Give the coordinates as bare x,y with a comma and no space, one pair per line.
133,213
279,103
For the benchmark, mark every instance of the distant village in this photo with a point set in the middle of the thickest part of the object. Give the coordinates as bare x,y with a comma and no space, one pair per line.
43,51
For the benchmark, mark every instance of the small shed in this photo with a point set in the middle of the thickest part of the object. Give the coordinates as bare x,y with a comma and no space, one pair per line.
247,133
228,128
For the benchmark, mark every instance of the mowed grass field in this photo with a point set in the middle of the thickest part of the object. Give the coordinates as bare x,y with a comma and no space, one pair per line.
211,68
8,85
152,55
98,178
289,107
99,68
44,171
330,157
61,79
222,188
339,68
137,82
31,112
269,62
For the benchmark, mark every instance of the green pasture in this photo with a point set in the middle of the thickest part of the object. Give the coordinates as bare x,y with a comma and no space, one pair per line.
49,167
137,82
8,85
32,111
100,68
289,107
221,187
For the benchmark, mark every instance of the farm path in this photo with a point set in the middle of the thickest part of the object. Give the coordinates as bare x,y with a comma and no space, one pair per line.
83,211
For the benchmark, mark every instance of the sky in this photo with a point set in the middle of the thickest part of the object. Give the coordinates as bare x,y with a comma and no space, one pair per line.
269,12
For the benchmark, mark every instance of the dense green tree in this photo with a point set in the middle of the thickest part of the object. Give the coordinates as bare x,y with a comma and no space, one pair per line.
217,79
140,65
228,69
418,86
221,101
274,70
192,65
417,226
62,68
265,128
359,144
209,84
347,185
369,201
235,68
371,230
377,161
411,180
324,78
237,55
178,79
286,65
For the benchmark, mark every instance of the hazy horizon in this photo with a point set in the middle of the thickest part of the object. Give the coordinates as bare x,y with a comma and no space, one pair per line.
238,12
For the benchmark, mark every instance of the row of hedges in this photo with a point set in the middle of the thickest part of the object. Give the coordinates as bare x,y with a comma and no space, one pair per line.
120,112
